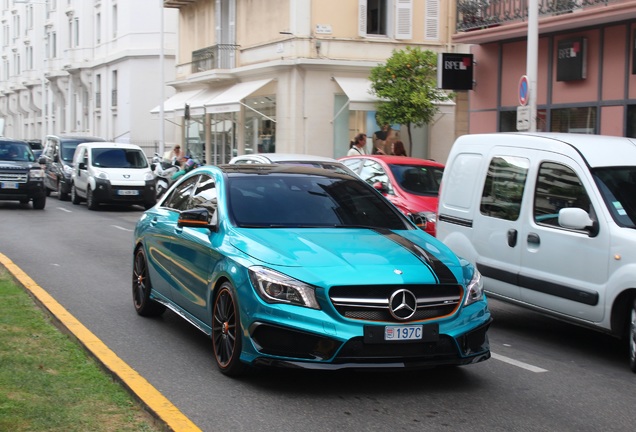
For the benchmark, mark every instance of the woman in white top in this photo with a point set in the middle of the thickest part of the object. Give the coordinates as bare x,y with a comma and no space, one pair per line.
359,144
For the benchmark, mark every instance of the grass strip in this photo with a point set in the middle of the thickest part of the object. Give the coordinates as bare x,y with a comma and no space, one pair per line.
49,383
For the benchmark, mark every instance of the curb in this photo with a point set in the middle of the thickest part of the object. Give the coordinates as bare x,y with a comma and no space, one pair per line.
157,404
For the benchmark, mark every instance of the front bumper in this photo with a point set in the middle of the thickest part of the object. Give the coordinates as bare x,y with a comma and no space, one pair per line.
105,192
34,188
279,346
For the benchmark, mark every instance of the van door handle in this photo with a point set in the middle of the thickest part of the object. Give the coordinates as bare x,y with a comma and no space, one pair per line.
512,237
534,239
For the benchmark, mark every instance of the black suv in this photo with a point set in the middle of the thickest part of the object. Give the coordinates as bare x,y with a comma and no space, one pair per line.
21,177
58,159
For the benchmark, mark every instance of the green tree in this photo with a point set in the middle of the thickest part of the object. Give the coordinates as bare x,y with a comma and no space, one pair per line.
407,86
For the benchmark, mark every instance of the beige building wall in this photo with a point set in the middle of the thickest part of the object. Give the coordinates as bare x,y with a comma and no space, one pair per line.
304,46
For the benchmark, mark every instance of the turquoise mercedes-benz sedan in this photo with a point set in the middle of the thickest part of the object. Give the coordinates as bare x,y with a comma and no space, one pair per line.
302,267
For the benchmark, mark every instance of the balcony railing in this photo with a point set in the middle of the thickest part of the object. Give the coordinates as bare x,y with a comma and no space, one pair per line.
221,56
480,14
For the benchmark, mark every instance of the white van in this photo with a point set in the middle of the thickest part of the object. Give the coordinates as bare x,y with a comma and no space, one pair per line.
115,173
550,221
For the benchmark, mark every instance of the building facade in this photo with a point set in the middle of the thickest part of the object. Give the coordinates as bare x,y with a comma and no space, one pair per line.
291,76
85,67
586,81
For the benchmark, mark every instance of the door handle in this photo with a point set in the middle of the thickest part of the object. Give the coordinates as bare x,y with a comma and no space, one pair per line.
534,239
512,237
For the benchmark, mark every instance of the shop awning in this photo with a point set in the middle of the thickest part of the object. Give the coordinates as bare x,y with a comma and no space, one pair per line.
176,103
358,90
230,100
198,101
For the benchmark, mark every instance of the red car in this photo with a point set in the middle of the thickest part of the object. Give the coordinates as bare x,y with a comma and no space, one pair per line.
411,184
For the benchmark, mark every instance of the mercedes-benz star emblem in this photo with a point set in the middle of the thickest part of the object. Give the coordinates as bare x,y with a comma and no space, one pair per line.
402,304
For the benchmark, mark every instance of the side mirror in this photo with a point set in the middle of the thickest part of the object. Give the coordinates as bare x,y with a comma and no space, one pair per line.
197,218
82,165
577,219
418,220
42,160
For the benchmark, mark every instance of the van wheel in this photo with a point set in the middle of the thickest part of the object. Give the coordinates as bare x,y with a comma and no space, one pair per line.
91,202
75,199
631,336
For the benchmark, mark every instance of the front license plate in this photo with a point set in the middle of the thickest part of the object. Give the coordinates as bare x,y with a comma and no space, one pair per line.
401,333
9,185
393,333
128,192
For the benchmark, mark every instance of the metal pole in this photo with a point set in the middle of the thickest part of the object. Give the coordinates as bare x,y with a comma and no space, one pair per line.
162,129
532,69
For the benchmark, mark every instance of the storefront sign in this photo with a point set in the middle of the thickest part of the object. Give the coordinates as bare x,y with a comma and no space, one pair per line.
572,59
455,71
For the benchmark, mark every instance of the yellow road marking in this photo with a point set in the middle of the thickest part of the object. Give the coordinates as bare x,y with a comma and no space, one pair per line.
158,404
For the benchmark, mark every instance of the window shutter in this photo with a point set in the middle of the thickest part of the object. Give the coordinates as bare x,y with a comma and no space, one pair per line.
403,19
362,18
431,22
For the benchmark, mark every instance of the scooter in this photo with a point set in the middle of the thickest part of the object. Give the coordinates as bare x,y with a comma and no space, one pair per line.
163,171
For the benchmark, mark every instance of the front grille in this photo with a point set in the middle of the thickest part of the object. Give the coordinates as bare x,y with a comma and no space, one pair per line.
371,302
355,350
17,177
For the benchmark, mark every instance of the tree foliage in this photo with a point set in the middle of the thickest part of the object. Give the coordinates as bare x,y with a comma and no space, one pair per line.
407,86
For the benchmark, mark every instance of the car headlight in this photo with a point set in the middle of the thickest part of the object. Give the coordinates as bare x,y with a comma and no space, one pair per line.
36,173
274,287
102,175
149,176
475,287
68,170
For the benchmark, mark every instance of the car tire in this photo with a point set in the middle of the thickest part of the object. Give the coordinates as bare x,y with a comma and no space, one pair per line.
39,202
226,332
75,199
62,196
141,287
631,336
91,202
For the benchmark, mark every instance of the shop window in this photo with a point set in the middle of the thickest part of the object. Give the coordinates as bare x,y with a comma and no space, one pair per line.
260,124
223,137
575,120
631,121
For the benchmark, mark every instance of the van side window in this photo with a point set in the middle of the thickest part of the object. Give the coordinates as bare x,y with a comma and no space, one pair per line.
504,187
558,187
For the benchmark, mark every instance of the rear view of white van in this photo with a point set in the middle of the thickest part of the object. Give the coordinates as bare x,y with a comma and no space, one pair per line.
550,221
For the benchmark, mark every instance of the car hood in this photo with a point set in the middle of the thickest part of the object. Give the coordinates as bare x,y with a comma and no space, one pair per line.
336,255
18,164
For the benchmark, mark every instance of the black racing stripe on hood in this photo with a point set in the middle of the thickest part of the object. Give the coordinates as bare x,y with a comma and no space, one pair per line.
440,270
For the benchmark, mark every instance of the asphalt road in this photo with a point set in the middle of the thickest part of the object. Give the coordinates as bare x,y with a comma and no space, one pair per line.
544,375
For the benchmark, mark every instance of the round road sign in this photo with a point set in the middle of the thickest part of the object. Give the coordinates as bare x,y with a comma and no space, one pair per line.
524,90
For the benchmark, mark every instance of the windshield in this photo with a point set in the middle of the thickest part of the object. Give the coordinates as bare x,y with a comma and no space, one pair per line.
418,179
295,200
16,151
119,158
618,188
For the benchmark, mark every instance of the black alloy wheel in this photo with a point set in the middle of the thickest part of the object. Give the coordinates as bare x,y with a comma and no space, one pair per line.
144,305
631,336
226,332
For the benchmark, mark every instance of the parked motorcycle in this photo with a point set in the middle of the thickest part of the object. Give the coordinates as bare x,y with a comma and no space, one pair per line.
163,171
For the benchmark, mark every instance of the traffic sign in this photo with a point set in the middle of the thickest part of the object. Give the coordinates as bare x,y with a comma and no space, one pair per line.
524,90
523,118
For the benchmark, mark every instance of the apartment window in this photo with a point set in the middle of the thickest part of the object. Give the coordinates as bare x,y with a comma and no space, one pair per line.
98,28
113,99
16,64
51,42
431,20
114,18
16,26
76,33
5,35
5,69
29,17
98,91
392,18
29,57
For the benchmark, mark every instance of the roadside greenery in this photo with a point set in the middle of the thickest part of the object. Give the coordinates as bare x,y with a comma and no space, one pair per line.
407,85
49,383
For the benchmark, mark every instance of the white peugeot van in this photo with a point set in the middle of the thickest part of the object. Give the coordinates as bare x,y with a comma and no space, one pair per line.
550,221
115,173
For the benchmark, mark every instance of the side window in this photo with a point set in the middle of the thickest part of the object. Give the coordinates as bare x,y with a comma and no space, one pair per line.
372,172
205,196
558,187
178,199
503,191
